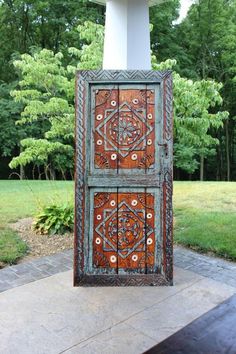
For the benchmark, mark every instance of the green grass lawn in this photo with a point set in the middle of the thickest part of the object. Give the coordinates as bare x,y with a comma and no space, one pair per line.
205,217
19,199
205,213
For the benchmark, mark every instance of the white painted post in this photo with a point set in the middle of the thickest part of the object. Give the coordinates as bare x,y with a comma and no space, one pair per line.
127,34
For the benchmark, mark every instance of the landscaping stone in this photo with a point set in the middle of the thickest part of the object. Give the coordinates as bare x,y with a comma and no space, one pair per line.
46,314
50,316
210,267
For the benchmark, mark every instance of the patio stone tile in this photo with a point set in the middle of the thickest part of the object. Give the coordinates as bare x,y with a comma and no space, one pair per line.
119,339
8,275
4,285
51,307
30,341
21,269
210,267
164,319
214,268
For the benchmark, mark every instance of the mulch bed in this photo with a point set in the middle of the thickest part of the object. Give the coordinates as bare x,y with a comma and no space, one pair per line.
40,245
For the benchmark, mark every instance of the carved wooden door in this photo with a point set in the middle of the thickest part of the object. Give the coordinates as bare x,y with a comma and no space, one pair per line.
124,178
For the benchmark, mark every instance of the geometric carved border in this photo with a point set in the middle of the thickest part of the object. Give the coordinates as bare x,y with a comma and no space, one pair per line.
124,280
118,148
84,78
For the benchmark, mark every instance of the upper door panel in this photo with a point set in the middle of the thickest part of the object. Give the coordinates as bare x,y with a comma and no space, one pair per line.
125,129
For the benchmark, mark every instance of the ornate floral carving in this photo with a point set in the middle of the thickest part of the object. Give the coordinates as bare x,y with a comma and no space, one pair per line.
101,199
126,131
100,260
146,161
146,200
101,161
124,228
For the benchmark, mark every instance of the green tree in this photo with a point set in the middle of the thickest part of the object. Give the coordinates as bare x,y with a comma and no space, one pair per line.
208,44
10,135
193,120
46,89
46,92
41,24
26,27
163,34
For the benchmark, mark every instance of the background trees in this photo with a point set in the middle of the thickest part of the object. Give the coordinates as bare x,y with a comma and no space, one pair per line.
208,50
41,82
42,24
46,92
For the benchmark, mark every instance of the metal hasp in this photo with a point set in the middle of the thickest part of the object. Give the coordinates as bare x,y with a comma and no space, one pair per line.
123,195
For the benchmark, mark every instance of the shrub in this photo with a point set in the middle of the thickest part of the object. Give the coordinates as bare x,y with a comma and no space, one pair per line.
54,219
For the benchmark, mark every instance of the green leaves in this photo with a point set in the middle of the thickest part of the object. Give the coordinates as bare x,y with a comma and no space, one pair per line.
193,117
193,102
10,134
46,93
47,89
90,56
43,72
54,219
207,38
43,152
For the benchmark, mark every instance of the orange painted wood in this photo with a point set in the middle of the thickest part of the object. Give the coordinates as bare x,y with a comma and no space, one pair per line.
106,102
151,219
124,129
124,235
124,138
123,232
104,236
131,232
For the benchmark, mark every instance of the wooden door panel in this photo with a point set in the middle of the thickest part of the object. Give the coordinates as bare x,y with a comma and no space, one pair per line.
131,232
124,128
132,128
106,106
123,232
105,230
152,235
148,159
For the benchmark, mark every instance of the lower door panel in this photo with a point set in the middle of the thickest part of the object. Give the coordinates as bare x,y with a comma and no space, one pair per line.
125,233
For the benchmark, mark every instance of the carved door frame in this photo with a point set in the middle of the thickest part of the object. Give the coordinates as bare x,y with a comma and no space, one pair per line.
84,180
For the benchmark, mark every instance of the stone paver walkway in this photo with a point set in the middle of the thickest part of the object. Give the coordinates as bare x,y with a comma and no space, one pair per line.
51,316
210,267
43,313
20,274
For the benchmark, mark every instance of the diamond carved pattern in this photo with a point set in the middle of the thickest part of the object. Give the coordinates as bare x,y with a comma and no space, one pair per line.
103,150
121,231
124,134
124,130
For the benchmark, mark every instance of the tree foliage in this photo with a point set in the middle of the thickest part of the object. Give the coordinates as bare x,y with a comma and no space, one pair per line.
49,24
46,90
10,135
48,41
207,38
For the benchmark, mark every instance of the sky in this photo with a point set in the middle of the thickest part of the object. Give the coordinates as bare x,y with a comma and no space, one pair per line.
185,5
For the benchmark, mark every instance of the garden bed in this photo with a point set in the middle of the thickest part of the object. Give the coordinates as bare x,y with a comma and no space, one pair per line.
40,245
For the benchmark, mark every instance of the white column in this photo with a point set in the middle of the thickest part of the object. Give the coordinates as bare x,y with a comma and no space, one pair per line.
127,35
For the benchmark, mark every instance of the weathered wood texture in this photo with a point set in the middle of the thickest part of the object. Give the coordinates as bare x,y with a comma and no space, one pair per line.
123,228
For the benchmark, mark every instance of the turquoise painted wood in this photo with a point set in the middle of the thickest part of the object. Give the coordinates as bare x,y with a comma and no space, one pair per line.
123,230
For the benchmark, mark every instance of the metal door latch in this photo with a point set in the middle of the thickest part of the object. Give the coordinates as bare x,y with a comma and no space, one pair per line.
165,146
